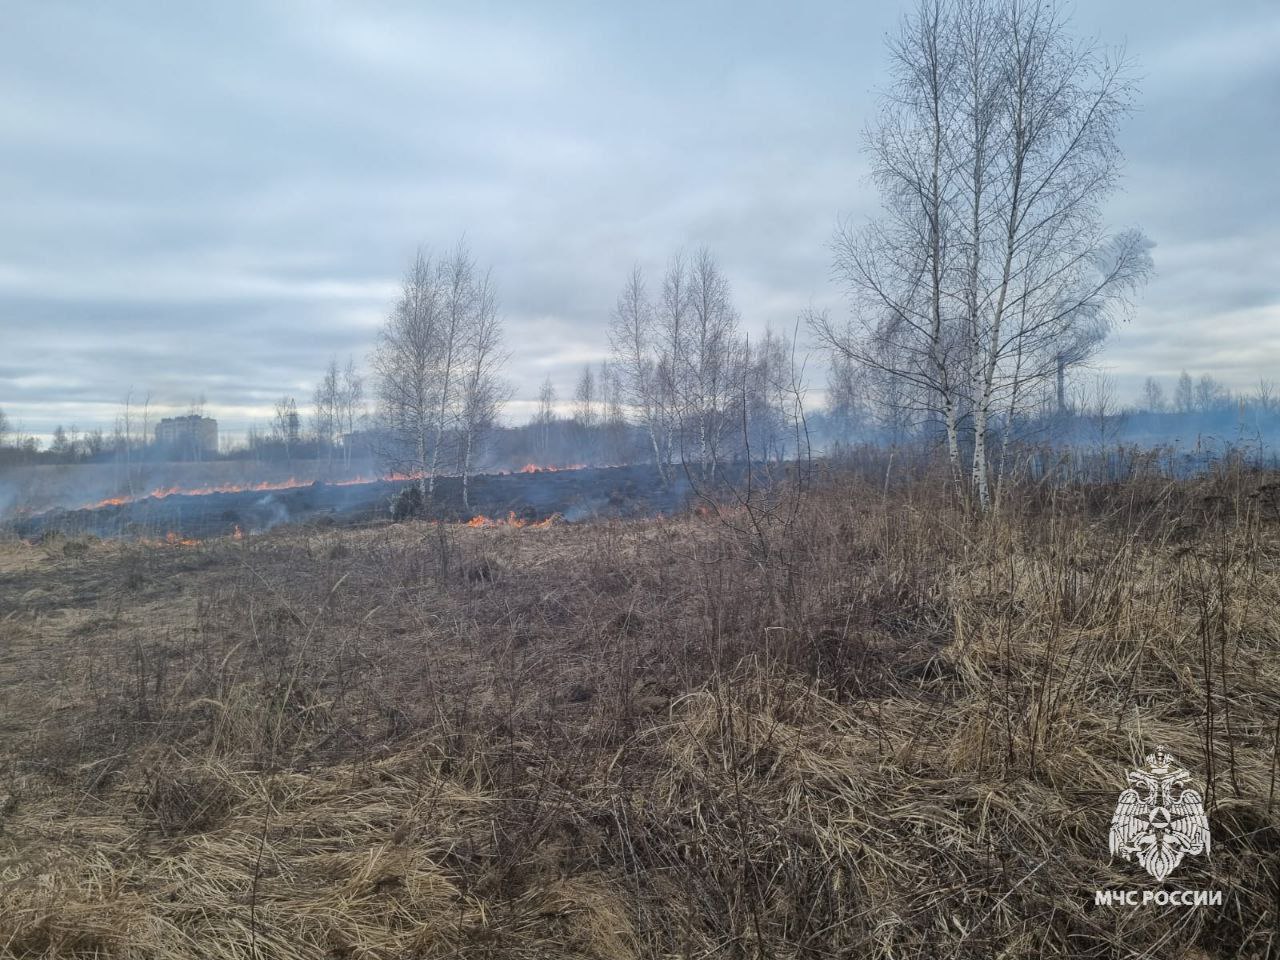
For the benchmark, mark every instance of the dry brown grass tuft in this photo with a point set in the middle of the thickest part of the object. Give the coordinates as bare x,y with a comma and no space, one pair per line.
866,726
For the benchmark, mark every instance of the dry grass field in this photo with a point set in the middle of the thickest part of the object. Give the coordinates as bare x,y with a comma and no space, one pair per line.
861,724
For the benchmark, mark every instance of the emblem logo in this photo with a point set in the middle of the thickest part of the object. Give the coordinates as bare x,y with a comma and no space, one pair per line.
1160,819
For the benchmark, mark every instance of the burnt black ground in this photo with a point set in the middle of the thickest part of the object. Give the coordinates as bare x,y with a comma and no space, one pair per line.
583,494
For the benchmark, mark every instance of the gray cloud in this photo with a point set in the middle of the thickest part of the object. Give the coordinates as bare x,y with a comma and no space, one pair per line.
215,199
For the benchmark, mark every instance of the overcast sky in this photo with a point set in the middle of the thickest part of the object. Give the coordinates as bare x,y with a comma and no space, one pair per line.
214,198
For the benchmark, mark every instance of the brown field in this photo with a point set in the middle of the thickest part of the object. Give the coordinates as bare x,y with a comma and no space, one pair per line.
859,724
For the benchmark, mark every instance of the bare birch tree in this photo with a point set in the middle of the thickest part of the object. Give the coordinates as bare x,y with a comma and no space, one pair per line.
898,270
1184,398
406,368
326,409
483,390
460,296
712,356
350,406
436,364
632,338
286,427
586,398
669,349
1047,273
681,362
1153,396
989,270
545,417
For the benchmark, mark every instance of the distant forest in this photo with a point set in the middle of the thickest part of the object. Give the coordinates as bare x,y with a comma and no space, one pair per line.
1188,411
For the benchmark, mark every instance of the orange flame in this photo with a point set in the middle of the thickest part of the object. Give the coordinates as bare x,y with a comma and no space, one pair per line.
537,468
511,520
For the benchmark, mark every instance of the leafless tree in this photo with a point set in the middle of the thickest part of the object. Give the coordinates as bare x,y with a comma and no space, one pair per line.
613,411
1184,398
1264,398
847,400
422,361
94,443
405,365
326,409
771,401
585,399
350,406
60,445
287,425
990,270
483,390
671,370
131,444
545,417
1047,275
707,357
586,413
1102,410
1210,394
1153,396
786,389
681,363
632,340
900,269
460,299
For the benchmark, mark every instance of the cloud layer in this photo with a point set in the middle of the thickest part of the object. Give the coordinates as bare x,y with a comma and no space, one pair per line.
214,199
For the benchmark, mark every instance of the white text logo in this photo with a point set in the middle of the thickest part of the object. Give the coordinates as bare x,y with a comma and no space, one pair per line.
1160,818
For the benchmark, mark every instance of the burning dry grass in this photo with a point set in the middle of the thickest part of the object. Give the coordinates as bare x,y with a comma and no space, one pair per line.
164,491
875,729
